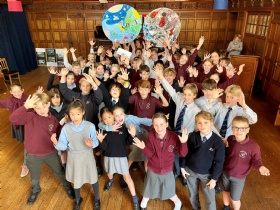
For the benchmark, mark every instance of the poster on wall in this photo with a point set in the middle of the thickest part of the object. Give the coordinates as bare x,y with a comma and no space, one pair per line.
59,57
51,57
41,56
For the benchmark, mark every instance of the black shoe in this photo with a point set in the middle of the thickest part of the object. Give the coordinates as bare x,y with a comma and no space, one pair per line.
70,192
218,189
108,185
77,204
136,206
135,166
100,171
96,205
142,208
32,198
123,184
226,208
184,181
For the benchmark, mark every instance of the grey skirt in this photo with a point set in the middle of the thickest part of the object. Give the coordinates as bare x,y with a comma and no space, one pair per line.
159,186
117,165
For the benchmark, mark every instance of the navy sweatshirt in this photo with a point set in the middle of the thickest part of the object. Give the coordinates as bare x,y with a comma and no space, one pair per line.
207,158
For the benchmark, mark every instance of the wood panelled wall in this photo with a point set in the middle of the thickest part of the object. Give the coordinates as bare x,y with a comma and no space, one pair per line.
71,23
266,46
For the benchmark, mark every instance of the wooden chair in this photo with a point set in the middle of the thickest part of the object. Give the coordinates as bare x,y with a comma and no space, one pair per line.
8,75
3,85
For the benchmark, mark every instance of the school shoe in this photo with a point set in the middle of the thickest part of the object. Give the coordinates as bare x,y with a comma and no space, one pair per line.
136,206
184,181
70,192
24,171
108,185
142,208
78,204
135,166
100,171
218,189
226,208
32,197
123,184
96,205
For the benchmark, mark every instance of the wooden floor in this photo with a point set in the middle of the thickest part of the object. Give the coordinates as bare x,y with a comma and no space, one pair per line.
260,193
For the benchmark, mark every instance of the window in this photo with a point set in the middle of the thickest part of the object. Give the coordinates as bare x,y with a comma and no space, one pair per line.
257,24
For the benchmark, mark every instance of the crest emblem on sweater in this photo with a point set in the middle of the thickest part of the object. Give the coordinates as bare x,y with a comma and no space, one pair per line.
88,101
242,154
50,127
120,133
170,148
148,106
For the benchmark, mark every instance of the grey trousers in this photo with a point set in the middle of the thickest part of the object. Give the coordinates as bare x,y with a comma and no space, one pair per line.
209,194
34,163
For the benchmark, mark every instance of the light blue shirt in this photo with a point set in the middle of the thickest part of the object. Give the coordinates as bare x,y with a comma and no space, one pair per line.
207,136
191,110
63,142
204,104
128,120
220,110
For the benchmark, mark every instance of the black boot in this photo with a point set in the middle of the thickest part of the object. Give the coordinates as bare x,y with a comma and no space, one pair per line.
77,204
96,205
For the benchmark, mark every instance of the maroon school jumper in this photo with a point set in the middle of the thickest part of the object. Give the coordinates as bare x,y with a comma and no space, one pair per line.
161,154
37,131
245,155
202,76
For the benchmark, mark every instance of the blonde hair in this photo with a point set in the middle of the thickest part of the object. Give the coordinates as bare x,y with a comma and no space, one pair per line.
205,115
83,80
192,87
235,90
168,71
241,119
208,60
76,63
160,115
43,97
115,66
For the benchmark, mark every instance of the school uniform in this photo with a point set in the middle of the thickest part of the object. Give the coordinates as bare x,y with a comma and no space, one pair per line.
39,147
12,104
81,166
202,76
159,181
203,162
115,154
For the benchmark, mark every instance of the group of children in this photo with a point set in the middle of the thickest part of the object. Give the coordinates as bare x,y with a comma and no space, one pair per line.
169,114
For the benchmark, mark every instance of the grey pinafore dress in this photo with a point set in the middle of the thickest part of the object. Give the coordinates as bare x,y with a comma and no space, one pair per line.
81,167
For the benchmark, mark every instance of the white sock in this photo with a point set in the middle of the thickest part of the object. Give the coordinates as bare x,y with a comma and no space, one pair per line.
178,205
144,202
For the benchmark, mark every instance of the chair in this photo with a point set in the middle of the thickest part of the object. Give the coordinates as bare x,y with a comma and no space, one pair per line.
3,85
8,75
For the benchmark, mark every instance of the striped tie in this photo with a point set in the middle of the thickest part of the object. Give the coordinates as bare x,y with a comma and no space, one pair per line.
204,139
224,127
180,119
113,103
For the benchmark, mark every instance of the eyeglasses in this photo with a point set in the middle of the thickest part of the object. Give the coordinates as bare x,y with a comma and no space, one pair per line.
242,129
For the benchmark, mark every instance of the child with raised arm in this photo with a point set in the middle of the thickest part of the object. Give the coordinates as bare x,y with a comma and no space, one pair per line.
39,126
115,156
12,103
225,112
160,146
79,137
204,161
243,152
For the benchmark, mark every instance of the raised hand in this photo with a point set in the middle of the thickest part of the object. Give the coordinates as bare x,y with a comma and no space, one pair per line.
200,42
89,142
217,93
52,70
72,50
159,72
40,89
230,72
109,53
133,91
139,143
241,100
132,130
176,45
240,69
195,72
65,51
219,69
207,55
190,69
184,137
91,42
89,79
54,139
124,74
181,81
100,50
31,101
166,41
64,72
100,136
93,73
158,90
168,57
